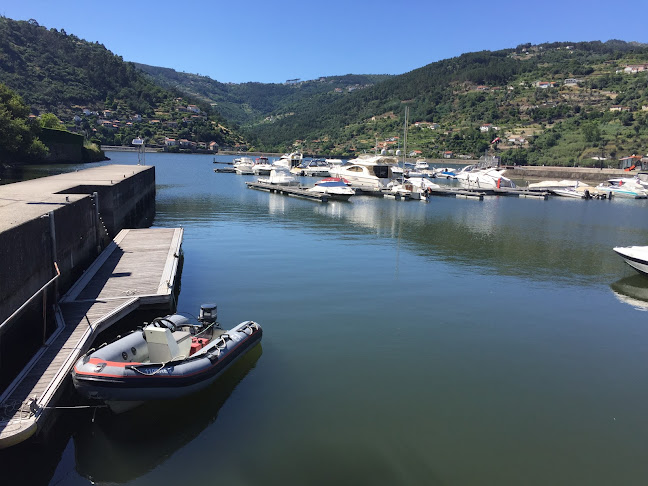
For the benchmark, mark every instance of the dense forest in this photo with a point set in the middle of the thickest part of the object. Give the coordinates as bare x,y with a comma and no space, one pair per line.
558,103
247,103
95,92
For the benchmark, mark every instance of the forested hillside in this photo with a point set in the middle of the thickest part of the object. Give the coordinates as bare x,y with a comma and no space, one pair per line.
95,92
556,103
560,103
248,103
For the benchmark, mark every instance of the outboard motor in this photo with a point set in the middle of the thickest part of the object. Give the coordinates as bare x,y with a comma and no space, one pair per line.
208,313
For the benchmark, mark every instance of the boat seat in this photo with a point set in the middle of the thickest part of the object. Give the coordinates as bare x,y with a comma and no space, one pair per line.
183,338
164,346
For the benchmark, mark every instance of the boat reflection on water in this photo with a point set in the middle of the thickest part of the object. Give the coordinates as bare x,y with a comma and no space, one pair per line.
632,291
121,448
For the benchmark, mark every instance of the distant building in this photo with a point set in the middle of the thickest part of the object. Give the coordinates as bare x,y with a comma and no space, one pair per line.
572,81
545,84
447,154
170,142
619,108
193,109
635,68
632,161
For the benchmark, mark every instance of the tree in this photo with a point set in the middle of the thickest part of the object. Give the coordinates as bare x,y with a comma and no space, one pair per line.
591,132
18,140
49,120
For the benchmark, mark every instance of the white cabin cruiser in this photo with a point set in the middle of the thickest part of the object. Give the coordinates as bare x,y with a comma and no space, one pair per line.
549,185
334,187
485,179
289,160
421,165
314,168
629,188
367,172
262,166
244,166
635,256
280,176
415,187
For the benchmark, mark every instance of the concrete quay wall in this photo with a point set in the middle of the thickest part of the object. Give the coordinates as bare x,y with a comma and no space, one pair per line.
59,219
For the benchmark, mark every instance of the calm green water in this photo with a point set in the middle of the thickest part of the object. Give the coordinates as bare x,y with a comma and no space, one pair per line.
458,342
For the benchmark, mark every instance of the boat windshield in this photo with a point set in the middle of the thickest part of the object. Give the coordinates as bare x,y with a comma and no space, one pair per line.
381,171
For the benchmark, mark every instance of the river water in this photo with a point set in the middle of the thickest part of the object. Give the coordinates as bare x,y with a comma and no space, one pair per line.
452,342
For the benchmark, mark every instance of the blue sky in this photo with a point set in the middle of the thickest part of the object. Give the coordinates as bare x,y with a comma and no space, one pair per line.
270,42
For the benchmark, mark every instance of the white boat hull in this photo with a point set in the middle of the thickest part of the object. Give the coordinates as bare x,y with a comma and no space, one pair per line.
635,256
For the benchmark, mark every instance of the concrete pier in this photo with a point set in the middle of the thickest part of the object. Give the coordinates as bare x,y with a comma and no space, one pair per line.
65,220
139,268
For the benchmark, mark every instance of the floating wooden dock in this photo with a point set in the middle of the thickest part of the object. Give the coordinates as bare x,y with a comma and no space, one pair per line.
288,190
458,193
138,268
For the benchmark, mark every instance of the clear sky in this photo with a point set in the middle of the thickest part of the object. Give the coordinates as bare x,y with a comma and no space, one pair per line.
272,41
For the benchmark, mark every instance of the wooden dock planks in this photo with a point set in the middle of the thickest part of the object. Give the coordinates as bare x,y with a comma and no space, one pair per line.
138,267
288,190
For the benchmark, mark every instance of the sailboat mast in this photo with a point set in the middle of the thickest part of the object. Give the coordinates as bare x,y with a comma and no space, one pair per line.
405,141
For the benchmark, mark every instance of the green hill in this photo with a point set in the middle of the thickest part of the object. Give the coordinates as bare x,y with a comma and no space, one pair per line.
556,103
248,103
56,72
560,103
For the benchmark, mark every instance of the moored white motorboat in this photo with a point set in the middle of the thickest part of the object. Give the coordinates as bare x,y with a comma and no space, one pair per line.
579,191
485,179
415,187
549,185
313,168
262,166
290,160
244,166
280,176
367,172
421,165
635,256
168,358
334,187
629,188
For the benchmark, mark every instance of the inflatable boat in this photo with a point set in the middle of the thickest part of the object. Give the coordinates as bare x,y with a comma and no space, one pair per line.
167,358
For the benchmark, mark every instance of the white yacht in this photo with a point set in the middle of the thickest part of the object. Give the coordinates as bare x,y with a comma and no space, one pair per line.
334,187
550,185
289,160
635,256
262,166
314,168
484,179
421,165
367,172
415,187
244,166
628,187
280,176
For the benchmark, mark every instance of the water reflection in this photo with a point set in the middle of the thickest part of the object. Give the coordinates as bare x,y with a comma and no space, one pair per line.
632,291
120,448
